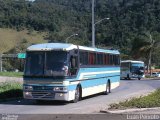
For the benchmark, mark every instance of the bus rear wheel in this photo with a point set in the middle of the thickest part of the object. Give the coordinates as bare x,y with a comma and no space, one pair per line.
128,78
77,95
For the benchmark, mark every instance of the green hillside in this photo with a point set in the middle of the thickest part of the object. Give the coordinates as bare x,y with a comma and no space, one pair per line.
10,38
133,27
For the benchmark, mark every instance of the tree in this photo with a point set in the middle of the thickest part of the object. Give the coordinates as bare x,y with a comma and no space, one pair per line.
144,45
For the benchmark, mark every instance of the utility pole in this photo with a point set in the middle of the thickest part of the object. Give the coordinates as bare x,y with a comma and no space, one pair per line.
93,25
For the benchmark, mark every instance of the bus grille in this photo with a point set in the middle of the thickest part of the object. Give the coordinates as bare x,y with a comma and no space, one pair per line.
42,95
42,88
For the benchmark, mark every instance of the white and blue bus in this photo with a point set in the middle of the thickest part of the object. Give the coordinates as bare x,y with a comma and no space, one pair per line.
67,72
132,69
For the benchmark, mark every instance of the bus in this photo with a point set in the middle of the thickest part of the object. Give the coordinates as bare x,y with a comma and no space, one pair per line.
68,72
132,69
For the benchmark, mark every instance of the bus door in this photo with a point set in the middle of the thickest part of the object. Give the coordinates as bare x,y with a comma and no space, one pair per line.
73,62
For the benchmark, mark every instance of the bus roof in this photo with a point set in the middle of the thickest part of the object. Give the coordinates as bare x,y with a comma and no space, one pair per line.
66,47
132,61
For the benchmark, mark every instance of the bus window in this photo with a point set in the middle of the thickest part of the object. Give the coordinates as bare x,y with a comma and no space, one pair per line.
83,58
35,63
110,59
104,59
99,58
107,59
125,66
117,60
114,60
92,58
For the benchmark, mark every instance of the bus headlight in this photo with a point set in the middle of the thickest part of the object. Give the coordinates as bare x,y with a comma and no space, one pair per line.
60,89
27,94
28,87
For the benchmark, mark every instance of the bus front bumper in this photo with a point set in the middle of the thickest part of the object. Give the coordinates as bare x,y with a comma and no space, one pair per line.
46,95
136,76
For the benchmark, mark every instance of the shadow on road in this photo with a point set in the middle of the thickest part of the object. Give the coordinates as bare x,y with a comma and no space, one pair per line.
143,79
44,102
34,102
133,79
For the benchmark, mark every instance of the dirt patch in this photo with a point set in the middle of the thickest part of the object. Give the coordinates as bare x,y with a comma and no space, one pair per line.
7,79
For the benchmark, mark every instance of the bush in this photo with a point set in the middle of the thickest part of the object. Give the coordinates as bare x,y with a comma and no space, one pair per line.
152,100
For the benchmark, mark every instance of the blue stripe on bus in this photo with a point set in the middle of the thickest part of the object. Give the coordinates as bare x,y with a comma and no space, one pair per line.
88,70
101,78
90,83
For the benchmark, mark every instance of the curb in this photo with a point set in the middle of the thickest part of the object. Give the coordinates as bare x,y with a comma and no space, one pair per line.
128,110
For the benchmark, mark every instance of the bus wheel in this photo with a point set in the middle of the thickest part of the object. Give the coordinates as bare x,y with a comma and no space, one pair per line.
128,77
108,88
77,95
139,78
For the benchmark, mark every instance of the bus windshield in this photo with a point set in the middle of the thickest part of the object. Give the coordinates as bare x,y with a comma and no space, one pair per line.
137,66
55,62
45,63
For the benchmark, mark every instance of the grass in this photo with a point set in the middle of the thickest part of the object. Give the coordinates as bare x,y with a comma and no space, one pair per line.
9,38
149,101
11,74
10,90
149,76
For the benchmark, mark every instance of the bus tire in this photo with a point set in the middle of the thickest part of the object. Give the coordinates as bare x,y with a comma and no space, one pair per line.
128,77
108,88
77,94
139,78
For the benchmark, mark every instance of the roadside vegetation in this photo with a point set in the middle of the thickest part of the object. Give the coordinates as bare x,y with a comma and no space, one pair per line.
133,27
149,76
10,90
149,101
11,74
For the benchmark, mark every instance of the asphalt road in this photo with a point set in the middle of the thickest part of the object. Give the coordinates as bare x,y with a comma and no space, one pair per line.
89,105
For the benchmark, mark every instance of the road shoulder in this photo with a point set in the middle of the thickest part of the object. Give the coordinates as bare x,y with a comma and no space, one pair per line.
155,110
